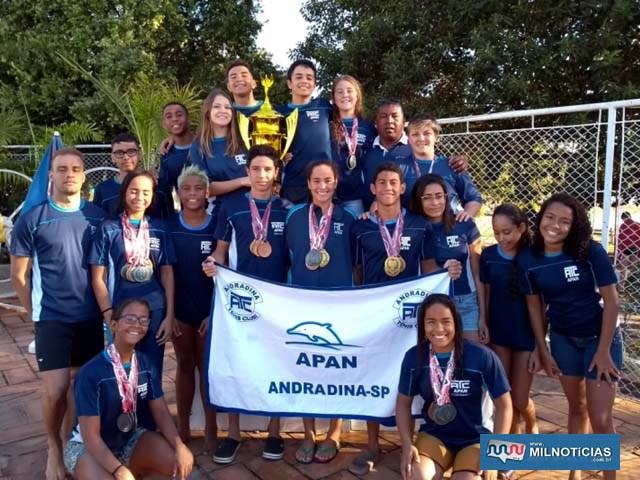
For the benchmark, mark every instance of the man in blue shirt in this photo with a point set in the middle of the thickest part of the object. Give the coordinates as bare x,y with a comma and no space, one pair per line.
312,140
240,83
49,271
175,120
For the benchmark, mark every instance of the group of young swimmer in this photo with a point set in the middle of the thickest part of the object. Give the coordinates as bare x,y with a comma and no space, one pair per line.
378,206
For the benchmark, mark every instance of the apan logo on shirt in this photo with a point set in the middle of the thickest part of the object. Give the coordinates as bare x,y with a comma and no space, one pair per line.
142,390
241,159
571,273
154,243
205,246
405,243
313,115
460,387
453,241
338,228
277,227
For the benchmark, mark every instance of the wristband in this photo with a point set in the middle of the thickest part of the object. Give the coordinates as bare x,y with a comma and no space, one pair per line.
116,469
106,310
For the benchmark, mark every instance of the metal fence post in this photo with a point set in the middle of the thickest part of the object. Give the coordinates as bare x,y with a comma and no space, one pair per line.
608,175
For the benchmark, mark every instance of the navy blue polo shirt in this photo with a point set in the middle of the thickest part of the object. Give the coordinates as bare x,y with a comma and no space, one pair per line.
171,165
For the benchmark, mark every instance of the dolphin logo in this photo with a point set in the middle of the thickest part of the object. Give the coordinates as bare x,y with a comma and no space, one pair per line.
318,334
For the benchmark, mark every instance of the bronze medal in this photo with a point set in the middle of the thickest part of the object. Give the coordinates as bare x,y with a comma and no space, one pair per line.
263,248
252,248
313,259
325,258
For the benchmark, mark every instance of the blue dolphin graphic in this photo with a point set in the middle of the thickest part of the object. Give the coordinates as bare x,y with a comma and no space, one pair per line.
317,333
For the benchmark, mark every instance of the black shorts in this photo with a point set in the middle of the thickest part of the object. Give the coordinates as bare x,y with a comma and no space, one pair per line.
64,345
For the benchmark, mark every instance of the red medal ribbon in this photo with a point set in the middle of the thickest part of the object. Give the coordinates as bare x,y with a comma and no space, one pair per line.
351,141
127,386
391,243
259,224
136,241
416,167
441,384
318,236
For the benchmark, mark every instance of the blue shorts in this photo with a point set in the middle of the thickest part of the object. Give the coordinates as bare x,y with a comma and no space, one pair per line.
468,307
574,354
74,450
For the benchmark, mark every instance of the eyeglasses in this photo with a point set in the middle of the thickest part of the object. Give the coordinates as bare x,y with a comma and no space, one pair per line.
429,198
119,154
131,319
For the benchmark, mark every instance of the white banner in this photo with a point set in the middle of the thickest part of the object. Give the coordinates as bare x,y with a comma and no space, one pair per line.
287,351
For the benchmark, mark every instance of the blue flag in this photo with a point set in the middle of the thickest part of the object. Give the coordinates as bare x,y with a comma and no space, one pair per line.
39,189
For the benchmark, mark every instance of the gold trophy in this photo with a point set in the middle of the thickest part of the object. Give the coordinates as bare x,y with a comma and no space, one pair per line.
266,126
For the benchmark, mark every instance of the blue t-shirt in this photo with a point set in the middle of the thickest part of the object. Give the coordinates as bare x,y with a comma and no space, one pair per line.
460,186
106,196
508,316
455,244
108,251
219,167
376,156
311,140
339,272
171,165
350,182
482,373
248,111
59,242
568,288
193,289
416,244
95,393
234,226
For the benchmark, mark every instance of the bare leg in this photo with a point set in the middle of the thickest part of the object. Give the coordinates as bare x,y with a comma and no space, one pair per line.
185,347
54,405
521,381
578,422
306,450
329,446
234,426
88,469
211,427
274,427
69,420
427,469
600,405
152,455
504,354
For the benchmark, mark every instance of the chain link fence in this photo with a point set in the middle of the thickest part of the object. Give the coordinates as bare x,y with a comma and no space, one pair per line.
592,153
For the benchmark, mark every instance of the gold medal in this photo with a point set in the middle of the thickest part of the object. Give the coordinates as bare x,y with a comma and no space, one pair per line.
403,264
325,258
263,248
393,266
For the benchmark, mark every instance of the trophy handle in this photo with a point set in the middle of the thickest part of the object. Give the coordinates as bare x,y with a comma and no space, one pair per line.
292,123
243,129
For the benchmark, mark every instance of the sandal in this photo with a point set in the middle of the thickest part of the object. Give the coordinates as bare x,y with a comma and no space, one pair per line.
364,462
305,454
329,451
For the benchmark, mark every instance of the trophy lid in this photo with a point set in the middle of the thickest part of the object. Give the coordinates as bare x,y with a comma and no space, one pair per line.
266,109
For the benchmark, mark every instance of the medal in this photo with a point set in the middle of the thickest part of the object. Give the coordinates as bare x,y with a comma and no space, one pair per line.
138,267
352,143
313,259
443,414
318,257
260,247
126,422
127,388
441,411
394,264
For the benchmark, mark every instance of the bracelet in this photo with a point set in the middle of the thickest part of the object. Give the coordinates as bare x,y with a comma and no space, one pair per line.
106,310
116,469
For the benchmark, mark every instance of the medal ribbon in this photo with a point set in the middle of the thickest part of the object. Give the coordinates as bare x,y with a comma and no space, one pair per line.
136,241
318,235
127,387
259,224
351,141
416,167
391,244
441,384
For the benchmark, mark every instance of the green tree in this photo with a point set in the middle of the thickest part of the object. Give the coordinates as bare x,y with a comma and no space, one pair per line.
469,57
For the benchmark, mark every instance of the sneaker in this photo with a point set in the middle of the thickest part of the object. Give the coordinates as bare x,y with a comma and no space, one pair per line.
226,451
273,448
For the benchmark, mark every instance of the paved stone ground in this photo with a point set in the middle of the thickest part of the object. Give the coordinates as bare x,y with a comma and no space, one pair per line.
23,443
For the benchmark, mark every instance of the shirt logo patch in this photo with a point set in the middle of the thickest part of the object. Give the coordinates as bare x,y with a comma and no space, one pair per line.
241,159
142,390
453,241
337,228
460,387
571,273
154,243
361,139
277,227
313,115
405,243
205,246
